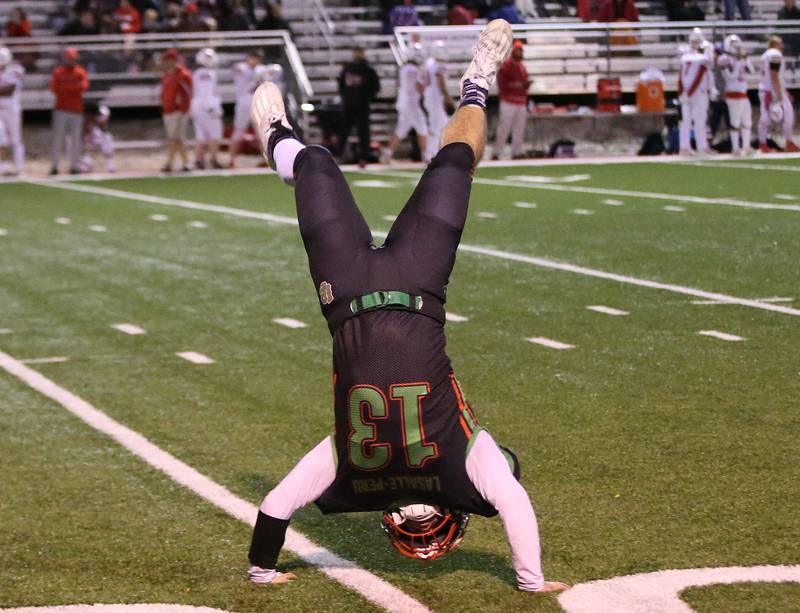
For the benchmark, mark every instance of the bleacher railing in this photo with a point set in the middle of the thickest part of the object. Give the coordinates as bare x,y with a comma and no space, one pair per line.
568,58
124,69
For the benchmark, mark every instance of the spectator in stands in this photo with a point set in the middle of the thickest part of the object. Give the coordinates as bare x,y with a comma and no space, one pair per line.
683,10
190,20
618,10
506,10
460,15
730,9
152,23
18,24
68,84
273,20
358,85
176,97
404,14
234,16
790,41
127,18
84,25
512,84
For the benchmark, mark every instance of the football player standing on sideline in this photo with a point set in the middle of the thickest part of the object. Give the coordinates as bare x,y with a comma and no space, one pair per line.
695,87
776,103
410,85
246,77
206,110
68,83
406,442
735,68
11,75
176,96
436,99
513,84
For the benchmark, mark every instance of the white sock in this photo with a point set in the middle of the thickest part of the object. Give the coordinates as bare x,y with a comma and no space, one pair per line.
284,155
734,141
746,136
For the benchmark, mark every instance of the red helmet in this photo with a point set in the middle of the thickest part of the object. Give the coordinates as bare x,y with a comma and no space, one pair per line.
424,532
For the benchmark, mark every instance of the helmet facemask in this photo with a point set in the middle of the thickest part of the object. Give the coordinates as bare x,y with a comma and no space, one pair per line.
424,532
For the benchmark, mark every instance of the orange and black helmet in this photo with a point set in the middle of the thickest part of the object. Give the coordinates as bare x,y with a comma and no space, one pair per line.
424,532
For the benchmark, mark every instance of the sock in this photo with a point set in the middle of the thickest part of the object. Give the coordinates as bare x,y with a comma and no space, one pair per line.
734,141
268,536
746,138
284,154
473,94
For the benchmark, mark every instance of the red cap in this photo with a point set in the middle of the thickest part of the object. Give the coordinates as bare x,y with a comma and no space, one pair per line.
169,54
70,53
518,44
190,8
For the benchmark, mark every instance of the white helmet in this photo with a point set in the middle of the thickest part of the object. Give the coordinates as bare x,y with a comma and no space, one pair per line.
206,57
270,72
733,45
5,57
438,51
696,38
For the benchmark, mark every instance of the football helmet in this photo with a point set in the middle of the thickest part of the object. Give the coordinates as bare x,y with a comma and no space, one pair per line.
424,532
733,45
696,38
207,58
5,57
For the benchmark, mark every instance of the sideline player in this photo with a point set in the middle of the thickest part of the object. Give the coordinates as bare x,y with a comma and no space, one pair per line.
435,98
246,77
735,67
401,420
776,103
410,85
206,110
695,87
11,75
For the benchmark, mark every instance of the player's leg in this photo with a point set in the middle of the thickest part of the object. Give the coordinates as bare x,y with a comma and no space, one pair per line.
305,483
363,129
765,100
75,128
518,125
734,112
788,123
12,121
401,130
747,127
59,139
421,128
700,120
503,129
241,119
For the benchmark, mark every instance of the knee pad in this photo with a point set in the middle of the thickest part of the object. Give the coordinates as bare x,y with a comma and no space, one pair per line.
317,155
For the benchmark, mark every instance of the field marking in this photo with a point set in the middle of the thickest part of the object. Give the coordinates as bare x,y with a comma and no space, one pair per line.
5,330
487,251
549,179
549,342
599,308
114,608
675,209
744,166
391,218
721,335
772,300
194,357
581,212
53,360
371,587
3,232
449,316
660,591
613,202
378,184
486,215
128,329
289,322
63,221
525,205
616,192
97,228
197,224
784,196
158,217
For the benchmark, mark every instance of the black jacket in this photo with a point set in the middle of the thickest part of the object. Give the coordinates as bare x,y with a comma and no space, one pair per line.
358,84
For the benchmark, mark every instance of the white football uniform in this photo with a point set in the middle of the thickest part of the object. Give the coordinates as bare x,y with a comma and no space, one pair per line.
245,80
409,111
206,107
11,112
434,102
734,72
772,60
695,84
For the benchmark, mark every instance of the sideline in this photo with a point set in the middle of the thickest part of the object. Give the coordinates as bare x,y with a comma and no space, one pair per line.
370,586
496,253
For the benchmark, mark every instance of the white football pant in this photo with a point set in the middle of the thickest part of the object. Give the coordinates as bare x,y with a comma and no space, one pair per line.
410,117
207,126
764,121
437,120
694,114
241,117
11,124
741,117
513,119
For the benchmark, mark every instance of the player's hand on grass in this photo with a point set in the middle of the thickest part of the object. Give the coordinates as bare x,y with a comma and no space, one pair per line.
554,586
283,578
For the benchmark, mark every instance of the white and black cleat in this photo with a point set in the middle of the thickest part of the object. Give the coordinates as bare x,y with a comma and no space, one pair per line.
490,52
269,118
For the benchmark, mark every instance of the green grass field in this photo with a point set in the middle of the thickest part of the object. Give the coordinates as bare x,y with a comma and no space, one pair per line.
645,447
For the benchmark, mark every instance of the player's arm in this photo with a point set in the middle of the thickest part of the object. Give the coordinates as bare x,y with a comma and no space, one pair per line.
489,472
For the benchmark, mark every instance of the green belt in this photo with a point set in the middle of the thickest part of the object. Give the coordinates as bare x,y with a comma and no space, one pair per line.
379,299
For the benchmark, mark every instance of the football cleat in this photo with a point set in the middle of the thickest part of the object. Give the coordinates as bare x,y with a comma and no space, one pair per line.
269,118
424,532
489,54
791,147
262,576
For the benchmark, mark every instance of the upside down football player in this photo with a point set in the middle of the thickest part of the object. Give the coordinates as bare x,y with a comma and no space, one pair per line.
406,443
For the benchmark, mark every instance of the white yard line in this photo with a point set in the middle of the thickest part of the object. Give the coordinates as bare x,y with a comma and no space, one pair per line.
598,308
53,360
549,342
370,586
194,357
289,322
772,300
721,335
128,329
745,166
486,251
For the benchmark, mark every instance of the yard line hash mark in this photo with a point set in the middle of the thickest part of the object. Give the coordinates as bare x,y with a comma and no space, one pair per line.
53,360
581,212
194,357
5,330
486,215
455,318
675,209
128,329
3,232
97,228
487,251
549,342
159,217
598,308
389,217
721,335
371,587
289,322
525,205
784,197
613,202
197,224
63,221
